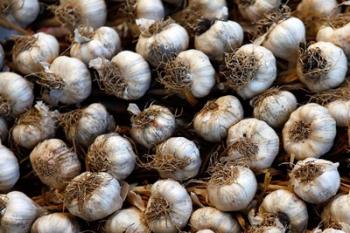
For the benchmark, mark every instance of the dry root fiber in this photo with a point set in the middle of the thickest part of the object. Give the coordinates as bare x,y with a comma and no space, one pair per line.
23,43
70,119
50,80
325,97
32,117
98,160
300,131
257,101
245,147
159,208
339,20
223,173
145,118
313,63
308,172
280,220
69,14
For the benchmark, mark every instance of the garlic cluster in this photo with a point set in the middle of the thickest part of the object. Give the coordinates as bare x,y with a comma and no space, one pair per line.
54,163
126,220
149,10
250,70
2,57
254,142
9,169
309,132
151,126
127,75
29,52
113,154
93,196
19,12
254,10
169,207
56,223
219,38
3,129
338,211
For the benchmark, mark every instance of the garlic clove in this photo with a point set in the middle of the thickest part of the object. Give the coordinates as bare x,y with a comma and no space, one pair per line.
56,223
9,169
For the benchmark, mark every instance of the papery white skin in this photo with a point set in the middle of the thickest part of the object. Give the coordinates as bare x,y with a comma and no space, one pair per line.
213,121
17,90
235,196
258,133
3,129
321,188
276,108
9,169
340,111
2,57
322,132
257,9
18,212
338,211
24,12
179,201
54,163
328,230
28,134
126,220
181,148
213,219
205,231
337,63
116,152
150,9
103,201
210,9
44,49
221,37
104,43
76,78
56,223
160,129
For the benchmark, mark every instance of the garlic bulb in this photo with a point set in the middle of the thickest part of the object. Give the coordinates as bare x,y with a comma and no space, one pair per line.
126,220
93,196
21,12
177,158
3,129
30,51
56,223
9,169
250,70
89,43
338,211
315,180
149,9
274,106
74,13
340,111
322,66
213,219
231,187
2,57
54,163
151,126
34,126
111,153
67,80
213,121
254,142
18,212
309,132
16,94
208,9
127,75
82,126
221,37
190,73
169,207
161,40
254,10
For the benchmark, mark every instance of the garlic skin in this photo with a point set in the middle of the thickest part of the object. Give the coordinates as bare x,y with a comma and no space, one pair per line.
317,186
255,10
3,129
9,169
67,81
89,44
214,119
54,163
34,126
221,37
213,219
309,132
205,231
232,188
210,9
169,207
126,220
18,212
2,57
274,106
150,10
151,126
30,51
133,79
16,94
113,154
23,12
93,196
56,223
328,230
330,70
254,142
340,111
337,211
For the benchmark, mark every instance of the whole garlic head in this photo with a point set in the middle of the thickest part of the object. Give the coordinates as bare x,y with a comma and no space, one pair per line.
169,207
93,196
309,132
254,10
149,10
338,211
212,219
30,51
56,223
126,76
21,12
9,169
250,70
254,142
214,119
126,220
